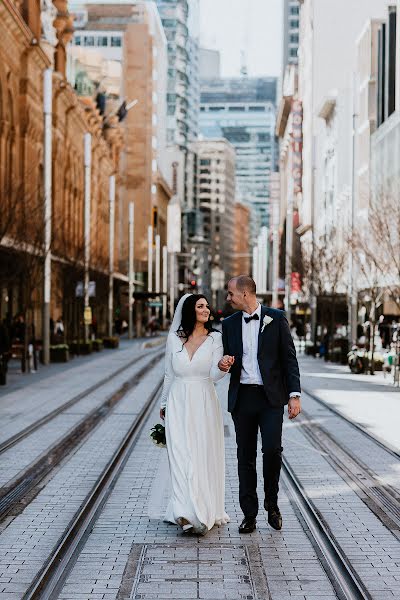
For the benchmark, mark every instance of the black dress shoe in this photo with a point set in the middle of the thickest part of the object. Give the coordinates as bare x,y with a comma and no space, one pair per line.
274,517
248,525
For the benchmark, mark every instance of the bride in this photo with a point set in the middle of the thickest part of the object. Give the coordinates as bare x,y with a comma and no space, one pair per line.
193,418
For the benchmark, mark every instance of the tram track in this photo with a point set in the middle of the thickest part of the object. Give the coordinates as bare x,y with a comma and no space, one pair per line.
344,580
50,579
23,433
22,488
381,499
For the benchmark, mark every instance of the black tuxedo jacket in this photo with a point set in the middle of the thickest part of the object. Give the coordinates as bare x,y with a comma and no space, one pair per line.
276,356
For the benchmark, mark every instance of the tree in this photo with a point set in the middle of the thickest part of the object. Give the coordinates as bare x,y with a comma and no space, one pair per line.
325,268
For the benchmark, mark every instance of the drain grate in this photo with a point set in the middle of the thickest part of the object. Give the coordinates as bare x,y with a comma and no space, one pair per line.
196,571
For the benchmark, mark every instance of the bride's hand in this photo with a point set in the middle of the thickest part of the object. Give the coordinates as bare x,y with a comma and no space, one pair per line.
162,413
226,362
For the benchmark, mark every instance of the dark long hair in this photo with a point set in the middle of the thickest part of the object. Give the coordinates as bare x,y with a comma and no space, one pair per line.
188,322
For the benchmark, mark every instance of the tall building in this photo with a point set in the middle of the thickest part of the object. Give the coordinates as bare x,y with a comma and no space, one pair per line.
209,64
291,10
216,204
242,110
144,80
241,239
132,35
180,19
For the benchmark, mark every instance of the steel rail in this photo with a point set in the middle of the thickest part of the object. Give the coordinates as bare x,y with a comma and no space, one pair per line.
14,439
22,484
338,569
54,573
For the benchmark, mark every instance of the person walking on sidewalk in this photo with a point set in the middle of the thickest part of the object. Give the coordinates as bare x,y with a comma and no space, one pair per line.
259,352
193,418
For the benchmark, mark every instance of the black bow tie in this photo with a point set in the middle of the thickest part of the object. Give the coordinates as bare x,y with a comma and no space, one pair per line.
255,317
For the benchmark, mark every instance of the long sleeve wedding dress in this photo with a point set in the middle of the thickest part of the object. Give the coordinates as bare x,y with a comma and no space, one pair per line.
195,433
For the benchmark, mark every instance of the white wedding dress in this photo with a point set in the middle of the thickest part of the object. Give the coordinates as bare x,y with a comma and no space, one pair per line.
195,433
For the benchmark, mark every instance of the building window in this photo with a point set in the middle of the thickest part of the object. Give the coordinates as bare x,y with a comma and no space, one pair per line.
294,23
77,40
293,52
294,38
102,41
205,161
88,40
116,41
294,10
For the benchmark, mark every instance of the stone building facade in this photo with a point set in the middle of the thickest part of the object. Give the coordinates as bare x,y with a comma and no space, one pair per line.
37,34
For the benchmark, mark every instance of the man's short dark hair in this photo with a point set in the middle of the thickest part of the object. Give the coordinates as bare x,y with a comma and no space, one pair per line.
245,283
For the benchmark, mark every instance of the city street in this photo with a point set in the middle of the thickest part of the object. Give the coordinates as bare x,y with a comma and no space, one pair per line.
87,427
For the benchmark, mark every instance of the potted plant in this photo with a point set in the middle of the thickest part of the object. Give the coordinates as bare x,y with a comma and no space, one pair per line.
59,353
111,342
97,345
81,347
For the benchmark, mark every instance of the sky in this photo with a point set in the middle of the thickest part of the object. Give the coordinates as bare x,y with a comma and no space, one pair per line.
252,26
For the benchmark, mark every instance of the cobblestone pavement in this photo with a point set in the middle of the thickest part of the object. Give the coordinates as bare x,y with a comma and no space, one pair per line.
132,554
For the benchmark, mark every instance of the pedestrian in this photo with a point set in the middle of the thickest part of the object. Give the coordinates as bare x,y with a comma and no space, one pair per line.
193,419
59,327
264,378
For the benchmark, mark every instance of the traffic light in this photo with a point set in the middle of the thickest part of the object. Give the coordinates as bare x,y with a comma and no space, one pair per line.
193,284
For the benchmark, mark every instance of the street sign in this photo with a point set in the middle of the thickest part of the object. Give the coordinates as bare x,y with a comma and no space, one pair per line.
155,304
79,289
87,315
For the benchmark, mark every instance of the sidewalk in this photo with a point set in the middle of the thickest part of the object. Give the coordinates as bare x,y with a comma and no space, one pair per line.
16,380
371,401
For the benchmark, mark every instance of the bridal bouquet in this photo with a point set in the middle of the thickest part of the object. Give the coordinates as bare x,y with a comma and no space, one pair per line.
157,434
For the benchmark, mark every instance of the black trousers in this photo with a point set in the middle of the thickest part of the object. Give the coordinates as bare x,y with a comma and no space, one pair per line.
253,412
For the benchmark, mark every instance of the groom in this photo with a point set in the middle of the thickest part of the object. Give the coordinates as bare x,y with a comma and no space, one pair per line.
260,354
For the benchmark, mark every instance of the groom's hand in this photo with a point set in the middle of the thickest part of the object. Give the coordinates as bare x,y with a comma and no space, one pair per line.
294,407
225,363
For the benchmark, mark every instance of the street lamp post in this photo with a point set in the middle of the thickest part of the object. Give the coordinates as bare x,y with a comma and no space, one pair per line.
47,175
172,283
150,258
131,265
87,165
255,264
289,248
111,255
158,268
164,283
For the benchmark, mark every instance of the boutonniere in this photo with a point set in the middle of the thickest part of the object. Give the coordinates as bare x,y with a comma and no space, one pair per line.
266,321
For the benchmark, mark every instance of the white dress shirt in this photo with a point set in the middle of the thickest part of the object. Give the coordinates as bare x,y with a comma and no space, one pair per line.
250,369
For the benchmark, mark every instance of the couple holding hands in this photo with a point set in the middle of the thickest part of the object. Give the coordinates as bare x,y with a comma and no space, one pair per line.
256,347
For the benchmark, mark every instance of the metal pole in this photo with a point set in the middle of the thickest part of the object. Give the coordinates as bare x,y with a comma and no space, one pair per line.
111,255
87,165
172,284
158,269
131,272
164,283
47,115
352,317
255,264
289,244
150,258
260,274
275,256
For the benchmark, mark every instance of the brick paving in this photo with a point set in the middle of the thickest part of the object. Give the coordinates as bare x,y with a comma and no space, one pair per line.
21,455
132,554
28,539
371,401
